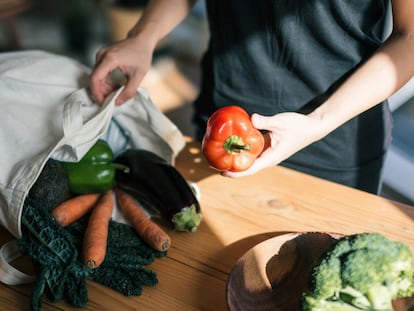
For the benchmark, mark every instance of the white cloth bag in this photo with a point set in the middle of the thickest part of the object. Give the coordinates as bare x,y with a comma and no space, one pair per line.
46,112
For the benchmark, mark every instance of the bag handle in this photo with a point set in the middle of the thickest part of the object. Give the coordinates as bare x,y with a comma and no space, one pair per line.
72,113
80,135
9,274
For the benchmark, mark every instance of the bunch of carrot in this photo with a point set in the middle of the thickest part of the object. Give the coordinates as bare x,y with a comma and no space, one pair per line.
96,233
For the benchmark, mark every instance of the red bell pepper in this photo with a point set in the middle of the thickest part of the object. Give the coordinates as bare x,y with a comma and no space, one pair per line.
230,142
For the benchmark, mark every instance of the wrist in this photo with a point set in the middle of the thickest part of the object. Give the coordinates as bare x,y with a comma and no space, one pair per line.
326,121
147,34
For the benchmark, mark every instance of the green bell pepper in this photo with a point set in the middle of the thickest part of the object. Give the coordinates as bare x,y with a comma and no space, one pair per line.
95,172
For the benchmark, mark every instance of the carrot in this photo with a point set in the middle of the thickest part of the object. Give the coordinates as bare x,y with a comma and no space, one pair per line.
147,229
96,233
72,209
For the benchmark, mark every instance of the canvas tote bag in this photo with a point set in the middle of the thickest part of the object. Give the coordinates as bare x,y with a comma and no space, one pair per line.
46,112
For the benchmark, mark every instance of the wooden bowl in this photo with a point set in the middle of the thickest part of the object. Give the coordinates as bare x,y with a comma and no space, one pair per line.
274,274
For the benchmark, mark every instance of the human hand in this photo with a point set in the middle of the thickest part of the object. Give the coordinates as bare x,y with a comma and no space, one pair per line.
132,57
287,133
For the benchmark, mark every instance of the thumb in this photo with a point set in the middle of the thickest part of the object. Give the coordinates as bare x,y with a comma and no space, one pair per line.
124,96
261,122
129,91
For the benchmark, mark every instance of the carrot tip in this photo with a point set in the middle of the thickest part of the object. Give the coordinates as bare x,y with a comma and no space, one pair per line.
165,245
91,264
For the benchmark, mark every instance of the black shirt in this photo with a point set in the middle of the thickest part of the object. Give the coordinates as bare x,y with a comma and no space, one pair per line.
272,56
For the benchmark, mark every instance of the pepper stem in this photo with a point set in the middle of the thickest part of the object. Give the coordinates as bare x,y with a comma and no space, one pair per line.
234,144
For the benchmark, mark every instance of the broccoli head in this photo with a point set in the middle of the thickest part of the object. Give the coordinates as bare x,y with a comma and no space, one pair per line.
360,272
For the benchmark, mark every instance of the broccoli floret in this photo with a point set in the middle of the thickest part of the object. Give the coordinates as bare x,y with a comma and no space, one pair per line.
311,304
326,280
363,271
326,276
368,240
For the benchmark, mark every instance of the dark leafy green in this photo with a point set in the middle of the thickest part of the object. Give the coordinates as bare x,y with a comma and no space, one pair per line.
55,253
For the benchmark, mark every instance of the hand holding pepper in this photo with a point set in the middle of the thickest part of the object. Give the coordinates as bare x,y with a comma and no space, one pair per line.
286,133
231,143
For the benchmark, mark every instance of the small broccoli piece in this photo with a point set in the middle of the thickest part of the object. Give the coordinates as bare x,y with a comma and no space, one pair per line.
326,278
363,271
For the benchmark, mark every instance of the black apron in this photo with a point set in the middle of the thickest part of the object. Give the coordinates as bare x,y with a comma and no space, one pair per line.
273,56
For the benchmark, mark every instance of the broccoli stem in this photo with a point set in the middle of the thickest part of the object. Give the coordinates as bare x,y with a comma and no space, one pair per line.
380,298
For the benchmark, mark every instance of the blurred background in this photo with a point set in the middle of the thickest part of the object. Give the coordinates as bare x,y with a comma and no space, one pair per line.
78,28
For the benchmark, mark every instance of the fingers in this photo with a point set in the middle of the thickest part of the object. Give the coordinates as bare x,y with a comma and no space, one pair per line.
262,122
101,83
266,159
102,80
286,134
257,166
129,89
102,89
99,55
269,156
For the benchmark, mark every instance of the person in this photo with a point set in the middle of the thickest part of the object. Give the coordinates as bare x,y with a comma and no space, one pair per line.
315,76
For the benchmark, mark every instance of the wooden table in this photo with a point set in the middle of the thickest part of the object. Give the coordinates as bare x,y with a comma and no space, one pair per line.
237,215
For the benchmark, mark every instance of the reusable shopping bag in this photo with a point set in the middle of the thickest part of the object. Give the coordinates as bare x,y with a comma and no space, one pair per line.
47,112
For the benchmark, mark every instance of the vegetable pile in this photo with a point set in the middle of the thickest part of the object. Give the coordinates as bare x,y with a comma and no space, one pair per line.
159,186
68,232
360,272
55,251
230,142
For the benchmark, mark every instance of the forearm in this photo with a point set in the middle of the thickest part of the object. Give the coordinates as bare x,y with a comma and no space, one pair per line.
159,18
373,82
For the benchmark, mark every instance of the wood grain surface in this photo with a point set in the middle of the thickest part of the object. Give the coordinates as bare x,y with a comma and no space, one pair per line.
238,214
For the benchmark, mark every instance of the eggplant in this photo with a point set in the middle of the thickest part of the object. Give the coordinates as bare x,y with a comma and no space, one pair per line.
157,185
